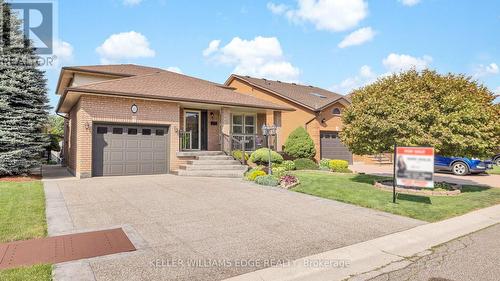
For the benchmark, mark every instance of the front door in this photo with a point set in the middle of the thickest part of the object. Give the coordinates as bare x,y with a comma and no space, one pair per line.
192,130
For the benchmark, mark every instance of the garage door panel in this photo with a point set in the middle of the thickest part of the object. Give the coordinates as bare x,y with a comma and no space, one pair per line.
333,148
115,152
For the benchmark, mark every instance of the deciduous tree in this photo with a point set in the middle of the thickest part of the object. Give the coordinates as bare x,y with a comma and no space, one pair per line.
452,113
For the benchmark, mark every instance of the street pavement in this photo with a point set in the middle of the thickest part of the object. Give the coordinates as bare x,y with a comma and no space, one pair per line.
472,257
386,170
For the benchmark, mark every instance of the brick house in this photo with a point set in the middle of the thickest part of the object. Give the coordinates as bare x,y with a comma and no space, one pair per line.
316,109
130,120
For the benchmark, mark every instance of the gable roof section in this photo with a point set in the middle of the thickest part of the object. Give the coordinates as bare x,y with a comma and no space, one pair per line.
172,86
311,97
116,69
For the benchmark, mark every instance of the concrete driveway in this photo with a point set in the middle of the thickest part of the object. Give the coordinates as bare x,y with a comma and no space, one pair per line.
204,228
386,170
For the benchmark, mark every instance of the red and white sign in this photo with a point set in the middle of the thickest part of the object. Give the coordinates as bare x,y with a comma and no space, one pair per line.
415,166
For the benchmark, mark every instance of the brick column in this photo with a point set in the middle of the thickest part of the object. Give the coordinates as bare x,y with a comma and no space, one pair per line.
225,123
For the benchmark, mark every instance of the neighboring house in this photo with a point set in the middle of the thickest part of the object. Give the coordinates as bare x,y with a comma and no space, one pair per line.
316,109
129,120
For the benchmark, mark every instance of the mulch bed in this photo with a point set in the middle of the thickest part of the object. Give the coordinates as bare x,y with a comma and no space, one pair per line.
386,185
20,178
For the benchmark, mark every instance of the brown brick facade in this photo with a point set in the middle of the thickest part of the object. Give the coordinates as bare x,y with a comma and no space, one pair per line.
290,120
91,109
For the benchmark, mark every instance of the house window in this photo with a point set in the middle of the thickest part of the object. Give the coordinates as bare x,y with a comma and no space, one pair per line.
244,127
132,131
117,131
336,111
160,132
102,130
146,132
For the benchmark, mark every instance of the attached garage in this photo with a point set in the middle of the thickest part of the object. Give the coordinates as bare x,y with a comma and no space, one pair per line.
119,150
333,148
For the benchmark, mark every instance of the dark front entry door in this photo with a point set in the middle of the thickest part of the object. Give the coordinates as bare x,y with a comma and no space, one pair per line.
333,148
129,150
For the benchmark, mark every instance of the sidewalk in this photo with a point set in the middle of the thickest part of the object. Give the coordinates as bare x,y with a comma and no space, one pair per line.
374,254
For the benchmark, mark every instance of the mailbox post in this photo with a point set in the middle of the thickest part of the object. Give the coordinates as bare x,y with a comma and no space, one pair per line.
269,131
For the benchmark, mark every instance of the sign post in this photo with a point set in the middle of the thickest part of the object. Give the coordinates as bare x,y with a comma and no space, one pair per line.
394,174
413,167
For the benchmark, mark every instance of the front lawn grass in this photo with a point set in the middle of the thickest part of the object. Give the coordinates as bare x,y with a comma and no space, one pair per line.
358,189
495,171
22,216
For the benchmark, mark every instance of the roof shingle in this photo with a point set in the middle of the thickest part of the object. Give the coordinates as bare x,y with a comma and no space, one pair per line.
179,87
309,96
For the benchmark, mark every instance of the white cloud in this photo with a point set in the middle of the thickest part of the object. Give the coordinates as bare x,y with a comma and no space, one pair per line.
63,52
132,2
393,63
485,70
213,46
260,57
125,45
277,9
364,77
409,2
332,15
174,69
399,62
497,90
357,37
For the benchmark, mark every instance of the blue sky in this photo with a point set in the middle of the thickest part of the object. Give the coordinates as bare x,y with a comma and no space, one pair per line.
334,44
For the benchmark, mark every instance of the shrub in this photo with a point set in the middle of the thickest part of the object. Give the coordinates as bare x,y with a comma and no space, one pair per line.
262,156
338,165
252,175
324,164
267,180
299,144
305,164
279,171
288,180
238,153
288,165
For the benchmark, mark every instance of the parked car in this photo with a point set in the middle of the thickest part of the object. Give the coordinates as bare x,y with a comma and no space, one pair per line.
461,166
496,159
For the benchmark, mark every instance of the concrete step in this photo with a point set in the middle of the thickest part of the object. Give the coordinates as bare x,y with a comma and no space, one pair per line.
213,162
213,167
198,153
211,173
215,157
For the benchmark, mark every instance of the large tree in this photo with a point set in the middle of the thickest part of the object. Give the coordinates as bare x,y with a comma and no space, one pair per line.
23,100
452,113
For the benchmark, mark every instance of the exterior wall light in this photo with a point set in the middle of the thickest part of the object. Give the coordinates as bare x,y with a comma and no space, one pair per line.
134,108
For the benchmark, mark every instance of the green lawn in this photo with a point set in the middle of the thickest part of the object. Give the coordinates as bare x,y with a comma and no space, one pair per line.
495,171
22,216
358,190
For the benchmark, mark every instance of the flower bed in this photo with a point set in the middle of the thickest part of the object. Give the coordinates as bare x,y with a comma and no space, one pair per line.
442,189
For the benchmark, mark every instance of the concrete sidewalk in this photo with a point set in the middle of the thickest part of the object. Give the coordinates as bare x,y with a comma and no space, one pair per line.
375,256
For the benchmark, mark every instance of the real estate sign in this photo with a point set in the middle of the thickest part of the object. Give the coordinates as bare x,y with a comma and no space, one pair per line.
415,166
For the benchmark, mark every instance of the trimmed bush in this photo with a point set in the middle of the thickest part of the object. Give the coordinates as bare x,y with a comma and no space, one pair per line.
324,164
267,180
253,174
238,153
305,164
279,171
299,144
338,165
288,165
261,156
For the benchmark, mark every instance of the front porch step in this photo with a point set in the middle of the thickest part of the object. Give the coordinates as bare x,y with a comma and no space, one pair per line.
198,153
213,167
212,173
215,157
213,162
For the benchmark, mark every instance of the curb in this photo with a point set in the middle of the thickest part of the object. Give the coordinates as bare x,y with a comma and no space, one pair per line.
377,253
